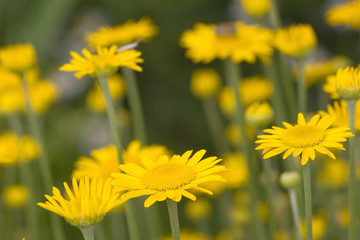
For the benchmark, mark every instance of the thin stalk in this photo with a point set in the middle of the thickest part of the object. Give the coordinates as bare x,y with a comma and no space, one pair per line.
88,232
274,15
216,126
352,173
174,219
270,198
295,212
301,89
45,169
233,76
308,200
135,105
129,209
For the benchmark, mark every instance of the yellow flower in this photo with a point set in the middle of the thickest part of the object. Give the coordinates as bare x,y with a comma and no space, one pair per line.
86,204
297,40
236,40
189,235
233,133
334,174
121,34
330,87
199,209
304,138
319,223
167,178
15,150
18,57
204,82
104,63
15,196
259,114
345,14
347,82
95,98
282,235
256,8
343,217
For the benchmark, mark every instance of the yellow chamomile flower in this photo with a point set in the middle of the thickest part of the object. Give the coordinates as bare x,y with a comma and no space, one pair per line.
334,174
199,209
346,14
236,40
297,40
304,138
15,150
18,57
15,196
347,82
259,115
204,82
167,178
104,63
256,8
85,204
189,235
95,98
319,223
121,34
330,87
233,133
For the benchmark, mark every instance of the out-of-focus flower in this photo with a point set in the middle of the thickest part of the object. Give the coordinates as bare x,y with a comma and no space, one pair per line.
86,204
130,31
18,57
95,98
259,115
345,14
304,138
199,209
290,179
204,82
235,40
104,63
256,8
334,174
167,178
189,235
15,196
330,87
233,133
297,40
15,150
319,223
347,82
282,235
343,217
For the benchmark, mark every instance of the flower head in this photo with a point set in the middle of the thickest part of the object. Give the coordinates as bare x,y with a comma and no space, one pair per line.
297,40
189,235
121,34
104,63
259,114
204,82
167,178
15,196
304,138
334,174
319,224
346,14
256,8
347,82
18,57
237,41
199,209
86,204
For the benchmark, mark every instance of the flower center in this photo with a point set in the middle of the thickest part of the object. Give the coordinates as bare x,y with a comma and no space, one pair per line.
168,177
303,136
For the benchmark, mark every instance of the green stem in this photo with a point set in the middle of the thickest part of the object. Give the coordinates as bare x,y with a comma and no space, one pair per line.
295,212
174,219
274,15
135,105
301,85
308,201
129,209
270,197
352,168
88,232
216,126
45,169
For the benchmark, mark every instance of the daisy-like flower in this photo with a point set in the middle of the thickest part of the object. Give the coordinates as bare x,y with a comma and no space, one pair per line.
104,63
204,82
304,138
346,14
330,87
121,34
256,8
15,196
167,178
297,40
259,114
86,204
18,57
347,82
237,41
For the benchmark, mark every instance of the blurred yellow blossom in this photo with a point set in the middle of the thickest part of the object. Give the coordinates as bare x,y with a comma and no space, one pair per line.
343,217
319,223
347,82
345,14
234,40
15,196
330,87
297,40
282,235
130,31
188,235
204,82
18,57
256,8
233,133
334,174
259,115
95,98
199,209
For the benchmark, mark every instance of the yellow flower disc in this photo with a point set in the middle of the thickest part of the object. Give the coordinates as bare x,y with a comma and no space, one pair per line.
346,14
15,196
18,57
204,82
